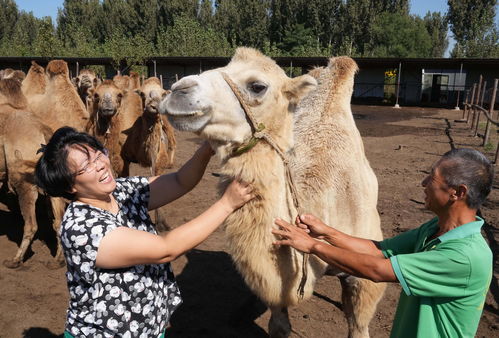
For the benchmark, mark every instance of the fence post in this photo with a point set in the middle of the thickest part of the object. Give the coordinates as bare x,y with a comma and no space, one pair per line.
471,102
465,104
477,99
479,112
491,110
458,92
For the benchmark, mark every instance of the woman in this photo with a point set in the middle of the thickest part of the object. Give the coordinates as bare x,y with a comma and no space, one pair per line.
119,276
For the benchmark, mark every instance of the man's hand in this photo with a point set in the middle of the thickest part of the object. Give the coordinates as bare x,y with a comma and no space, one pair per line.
314,226
293,236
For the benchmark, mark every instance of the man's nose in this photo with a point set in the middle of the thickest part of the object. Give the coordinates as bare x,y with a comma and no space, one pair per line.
425,181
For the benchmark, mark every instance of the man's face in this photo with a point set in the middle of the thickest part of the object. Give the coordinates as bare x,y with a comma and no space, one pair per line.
438,195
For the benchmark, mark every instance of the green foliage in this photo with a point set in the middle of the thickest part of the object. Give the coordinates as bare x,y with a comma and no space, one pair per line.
132,30
395,35
472,24
436,25
188,38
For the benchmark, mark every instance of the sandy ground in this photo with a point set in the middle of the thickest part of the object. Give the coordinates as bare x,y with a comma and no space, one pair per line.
400,144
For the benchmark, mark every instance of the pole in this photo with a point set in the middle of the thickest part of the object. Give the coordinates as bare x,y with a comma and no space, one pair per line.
459,91
398,86
491,110
154,62
479,112
471,102
77,68
291,69
466,103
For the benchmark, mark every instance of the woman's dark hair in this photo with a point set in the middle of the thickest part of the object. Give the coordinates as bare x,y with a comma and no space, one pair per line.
52,173
470,168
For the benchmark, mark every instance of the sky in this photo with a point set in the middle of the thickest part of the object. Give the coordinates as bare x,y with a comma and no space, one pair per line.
49,8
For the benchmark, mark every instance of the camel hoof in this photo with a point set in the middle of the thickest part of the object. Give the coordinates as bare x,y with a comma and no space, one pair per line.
11,264
54,265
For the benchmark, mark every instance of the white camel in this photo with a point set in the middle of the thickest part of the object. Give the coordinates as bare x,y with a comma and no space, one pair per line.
317,137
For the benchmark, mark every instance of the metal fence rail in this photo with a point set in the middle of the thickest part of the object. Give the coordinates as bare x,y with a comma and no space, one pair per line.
474,107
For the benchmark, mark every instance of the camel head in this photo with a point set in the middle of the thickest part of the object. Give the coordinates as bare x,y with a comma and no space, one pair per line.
106,99
36,68
205,103
85,80
151,93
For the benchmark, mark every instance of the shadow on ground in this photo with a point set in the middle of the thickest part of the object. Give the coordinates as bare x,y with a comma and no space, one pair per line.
217,303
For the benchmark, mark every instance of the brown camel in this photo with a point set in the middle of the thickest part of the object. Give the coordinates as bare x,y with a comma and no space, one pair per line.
146,142
84,82
18,156
107,119
60,104
9,73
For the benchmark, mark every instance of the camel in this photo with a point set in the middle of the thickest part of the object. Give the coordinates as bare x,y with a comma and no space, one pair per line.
18,156
9,73
106,121
146,142
59,105
36,80
86,80
327,171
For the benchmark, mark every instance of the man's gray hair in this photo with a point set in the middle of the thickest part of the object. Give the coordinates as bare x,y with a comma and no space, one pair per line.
471,168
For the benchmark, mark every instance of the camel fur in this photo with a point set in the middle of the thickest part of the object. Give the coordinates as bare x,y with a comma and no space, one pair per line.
334,181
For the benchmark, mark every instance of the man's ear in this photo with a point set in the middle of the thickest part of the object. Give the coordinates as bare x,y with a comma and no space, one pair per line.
460,193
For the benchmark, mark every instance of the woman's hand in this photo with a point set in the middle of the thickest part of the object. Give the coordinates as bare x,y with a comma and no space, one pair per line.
237,194
293,236
206,148
314,226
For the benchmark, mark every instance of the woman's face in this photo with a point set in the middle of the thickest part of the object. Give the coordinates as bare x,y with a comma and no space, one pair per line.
93,174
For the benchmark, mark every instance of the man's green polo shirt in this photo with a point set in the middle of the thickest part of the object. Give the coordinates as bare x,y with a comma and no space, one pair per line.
444,280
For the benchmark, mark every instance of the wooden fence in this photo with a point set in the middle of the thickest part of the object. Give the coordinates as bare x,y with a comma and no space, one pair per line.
474,107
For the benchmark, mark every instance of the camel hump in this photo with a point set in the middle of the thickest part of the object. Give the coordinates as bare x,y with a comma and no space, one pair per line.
343,66
36,67
152,80
56,67
11,89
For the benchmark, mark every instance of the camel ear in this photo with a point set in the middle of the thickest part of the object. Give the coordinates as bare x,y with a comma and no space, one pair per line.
299,87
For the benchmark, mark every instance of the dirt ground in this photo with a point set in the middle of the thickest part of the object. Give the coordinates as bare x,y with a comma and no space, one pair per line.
401,144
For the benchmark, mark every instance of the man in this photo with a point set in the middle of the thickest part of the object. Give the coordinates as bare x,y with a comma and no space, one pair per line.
444,266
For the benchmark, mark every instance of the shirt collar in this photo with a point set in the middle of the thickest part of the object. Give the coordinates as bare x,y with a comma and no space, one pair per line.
463,231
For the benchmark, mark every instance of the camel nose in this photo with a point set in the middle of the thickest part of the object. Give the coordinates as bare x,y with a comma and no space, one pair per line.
186,85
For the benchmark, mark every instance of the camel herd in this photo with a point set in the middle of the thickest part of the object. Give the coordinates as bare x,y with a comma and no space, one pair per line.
122,113
300,130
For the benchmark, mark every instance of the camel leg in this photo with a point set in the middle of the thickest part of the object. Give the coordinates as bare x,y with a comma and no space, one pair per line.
27,195
58,207
360,298
279,325
172,142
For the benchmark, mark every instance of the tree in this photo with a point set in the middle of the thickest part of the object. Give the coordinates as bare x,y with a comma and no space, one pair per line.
24,36
127,49
8,18
300,42
47,42
205,16
188,38
169,10
396,35
472,23
436,25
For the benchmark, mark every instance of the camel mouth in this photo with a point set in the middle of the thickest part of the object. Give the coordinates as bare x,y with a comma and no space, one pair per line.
188,121
107,112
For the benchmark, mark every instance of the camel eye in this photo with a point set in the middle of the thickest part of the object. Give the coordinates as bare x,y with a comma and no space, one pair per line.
257,87
96,97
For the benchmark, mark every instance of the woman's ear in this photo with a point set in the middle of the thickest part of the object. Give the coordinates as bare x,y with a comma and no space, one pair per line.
461,192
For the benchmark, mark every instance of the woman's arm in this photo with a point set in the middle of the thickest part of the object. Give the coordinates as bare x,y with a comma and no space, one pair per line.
167,188
125,247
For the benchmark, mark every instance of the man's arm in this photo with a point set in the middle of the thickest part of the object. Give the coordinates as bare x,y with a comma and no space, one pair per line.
373,267
318,229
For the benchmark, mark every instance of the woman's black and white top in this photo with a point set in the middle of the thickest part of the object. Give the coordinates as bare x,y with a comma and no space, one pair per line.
131,302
